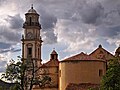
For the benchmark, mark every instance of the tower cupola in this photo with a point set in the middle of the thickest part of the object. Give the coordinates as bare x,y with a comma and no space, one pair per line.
54,55
32,10
32,19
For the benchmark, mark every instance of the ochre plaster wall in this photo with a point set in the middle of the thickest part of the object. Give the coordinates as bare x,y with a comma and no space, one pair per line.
80,72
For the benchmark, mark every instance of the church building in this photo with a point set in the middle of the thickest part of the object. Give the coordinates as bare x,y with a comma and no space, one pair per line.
78,69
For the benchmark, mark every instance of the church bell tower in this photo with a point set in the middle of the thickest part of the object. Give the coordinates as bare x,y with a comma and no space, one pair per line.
31,40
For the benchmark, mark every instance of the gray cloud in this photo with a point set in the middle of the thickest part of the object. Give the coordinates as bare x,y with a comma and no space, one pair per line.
2,2
110,32
9,50
49,37
90,13
11,33
48,22
79,23
15,22
4,45
9,36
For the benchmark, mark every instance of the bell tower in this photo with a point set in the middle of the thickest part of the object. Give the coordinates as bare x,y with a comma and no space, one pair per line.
31,39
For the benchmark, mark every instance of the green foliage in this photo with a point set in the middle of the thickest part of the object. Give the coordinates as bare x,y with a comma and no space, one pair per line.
111,81
23,74
96,88
16,87
15,72
1,88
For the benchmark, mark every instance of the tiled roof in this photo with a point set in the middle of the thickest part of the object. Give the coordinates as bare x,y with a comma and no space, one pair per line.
81,56
82,86
118,49
51,63
102,49
107,55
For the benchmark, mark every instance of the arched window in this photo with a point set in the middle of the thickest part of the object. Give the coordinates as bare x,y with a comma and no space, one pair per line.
30,20
29,50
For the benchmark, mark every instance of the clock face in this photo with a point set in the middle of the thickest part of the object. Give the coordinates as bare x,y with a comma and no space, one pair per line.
29,35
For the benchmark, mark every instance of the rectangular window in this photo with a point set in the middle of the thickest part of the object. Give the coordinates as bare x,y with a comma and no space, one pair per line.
100,72
59,73
30,51
38,53
30,21
52,56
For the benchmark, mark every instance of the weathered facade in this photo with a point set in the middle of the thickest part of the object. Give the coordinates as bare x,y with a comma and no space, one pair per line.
83,68
31,53
51,69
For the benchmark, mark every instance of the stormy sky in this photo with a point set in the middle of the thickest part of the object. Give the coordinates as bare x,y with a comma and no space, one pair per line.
69,26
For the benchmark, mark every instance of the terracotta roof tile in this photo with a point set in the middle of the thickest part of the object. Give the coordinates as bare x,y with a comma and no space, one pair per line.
81,56
82,86
106,53
51,63
99,49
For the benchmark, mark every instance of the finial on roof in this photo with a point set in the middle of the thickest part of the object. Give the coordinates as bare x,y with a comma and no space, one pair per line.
32,10
100,46
32,6
54,52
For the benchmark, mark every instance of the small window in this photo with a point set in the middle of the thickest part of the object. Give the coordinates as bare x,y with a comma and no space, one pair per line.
38,53
29,51
30,20
52,56
59,73
100,73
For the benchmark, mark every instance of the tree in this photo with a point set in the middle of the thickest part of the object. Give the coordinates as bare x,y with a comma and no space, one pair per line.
23,75
111,81
15,73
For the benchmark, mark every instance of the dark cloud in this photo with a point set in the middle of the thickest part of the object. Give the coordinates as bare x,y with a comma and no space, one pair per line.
12,36
9,35
4,45
15,22
110,32
49,37
16,50
48,22
9,50
91,12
